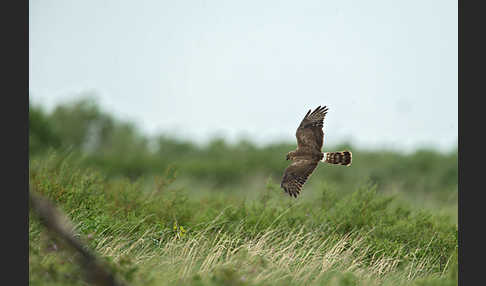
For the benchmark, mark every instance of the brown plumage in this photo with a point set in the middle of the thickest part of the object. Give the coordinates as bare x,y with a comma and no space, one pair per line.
308,154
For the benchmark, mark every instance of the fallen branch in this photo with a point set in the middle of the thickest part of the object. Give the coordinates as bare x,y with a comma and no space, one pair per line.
61,227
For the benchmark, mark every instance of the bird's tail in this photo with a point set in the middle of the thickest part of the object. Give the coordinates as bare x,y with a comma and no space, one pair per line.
340,158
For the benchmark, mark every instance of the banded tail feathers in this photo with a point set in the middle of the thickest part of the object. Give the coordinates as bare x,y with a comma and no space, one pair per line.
338,158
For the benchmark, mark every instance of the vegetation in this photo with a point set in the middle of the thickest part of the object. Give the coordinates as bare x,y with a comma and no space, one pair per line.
163,211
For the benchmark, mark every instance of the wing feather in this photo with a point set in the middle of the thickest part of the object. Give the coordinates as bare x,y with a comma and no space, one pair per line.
309,133
296,174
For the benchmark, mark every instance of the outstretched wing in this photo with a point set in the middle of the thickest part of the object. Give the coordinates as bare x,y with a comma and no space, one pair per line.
309,133
296,175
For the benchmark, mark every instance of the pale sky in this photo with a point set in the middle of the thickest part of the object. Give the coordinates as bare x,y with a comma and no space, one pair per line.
387,70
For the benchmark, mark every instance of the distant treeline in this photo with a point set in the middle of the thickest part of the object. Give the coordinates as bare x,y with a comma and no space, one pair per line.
83,130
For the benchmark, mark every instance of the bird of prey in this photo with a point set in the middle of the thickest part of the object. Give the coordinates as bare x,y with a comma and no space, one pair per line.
308,153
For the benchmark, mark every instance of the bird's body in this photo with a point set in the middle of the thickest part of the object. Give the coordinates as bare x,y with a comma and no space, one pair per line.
308,154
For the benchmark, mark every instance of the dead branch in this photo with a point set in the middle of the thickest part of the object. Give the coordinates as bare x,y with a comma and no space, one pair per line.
61,227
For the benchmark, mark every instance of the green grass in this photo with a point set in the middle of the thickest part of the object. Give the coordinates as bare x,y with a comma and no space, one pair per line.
164,211
156,231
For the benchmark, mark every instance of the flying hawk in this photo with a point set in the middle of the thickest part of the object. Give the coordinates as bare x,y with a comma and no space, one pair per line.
308,153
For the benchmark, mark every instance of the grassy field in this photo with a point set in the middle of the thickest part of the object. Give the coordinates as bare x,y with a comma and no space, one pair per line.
163,211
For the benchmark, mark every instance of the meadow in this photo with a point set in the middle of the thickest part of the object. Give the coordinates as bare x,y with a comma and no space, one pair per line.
165,211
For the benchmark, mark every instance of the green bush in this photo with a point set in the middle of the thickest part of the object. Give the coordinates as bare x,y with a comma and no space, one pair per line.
121,208
146,202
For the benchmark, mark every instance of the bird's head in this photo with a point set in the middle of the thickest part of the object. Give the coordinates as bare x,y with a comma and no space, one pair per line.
290,155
